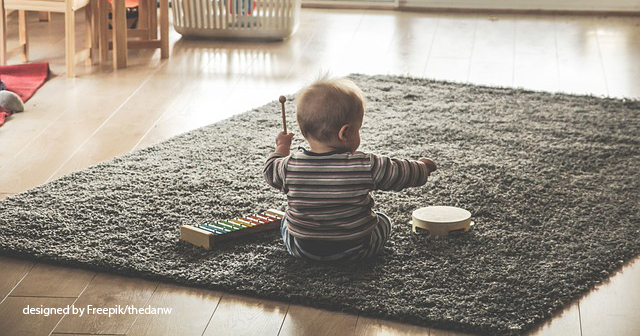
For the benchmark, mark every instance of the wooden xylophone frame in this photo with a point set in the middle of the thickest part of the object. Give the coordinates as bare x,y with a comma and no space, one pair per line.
206,235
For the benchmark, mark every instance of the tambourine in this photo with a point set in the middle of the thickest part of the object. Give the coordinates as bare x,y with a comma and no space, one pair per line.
440,221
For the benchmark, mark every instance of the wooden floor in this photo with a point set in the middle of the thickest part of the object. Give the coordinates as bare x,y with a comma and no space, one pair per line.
74,123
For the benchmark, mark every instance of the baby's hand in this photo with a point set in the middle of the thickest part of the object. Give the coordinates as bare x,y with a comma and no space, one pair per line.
430,164
284,139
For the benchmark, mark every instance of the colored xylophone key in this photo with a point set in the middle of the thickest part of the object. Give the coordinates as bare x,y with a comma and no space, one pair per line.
207,234
243,222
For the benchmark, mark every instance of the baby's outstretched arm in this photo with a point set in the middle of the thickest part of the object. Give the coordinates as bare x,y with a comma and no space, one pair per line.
430,164
397,174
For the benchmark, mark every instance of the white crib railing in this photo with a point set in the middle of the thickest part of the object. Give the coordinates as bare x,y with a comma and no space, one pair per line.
245,19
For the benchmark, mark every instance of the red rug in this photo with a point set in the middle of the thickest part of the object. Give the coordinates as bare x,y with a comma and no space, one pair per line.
24,79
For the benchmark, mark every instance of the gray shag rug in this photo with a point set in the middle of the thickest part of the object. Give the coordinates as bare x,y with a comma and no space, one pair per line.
552,181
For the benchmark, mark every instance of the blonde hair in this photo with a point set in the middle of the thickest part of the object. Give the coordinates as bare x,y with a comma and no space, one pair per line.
327,104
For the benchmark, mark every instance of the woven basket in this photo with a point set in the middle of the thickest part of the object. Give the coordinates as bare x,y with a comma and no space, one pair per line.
236,19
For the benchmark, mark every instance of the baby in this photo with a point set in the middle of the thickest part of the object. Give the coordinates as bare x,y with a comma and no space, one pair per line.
330,216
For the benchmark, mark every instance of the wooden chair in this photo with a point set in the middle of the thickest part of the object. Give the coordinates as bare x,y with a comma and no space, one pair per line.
69,8
146,32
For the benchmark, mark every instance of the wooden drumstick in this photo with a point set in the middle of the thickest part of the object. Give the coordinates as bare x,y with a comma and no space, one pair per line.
283,99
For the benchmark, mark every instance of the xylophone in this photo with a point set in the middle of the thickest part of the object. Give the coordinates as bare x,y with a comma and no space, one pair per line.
206,235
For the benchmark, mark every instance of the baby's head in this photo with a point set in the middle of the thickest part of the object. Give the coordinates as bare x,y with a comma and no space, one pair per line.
330,111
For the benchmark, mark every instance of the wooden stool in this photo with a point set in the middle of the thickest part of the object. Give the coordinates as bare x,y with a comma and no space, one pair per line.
148,33
440,221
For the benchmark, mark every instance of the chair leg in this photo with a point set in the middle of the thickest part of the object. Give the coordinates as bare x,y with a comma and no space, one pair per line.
103,29
70,38
22,35
144,7
164,28
119,24
95,49
91,41
153,20
3,34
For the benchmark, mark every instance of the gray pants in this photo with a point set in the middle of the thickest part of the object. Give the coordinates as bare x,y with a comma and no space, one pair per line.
366,249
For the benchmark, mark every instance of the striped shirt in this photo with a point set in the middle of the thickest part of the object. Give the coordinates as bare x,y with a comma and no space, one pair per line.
329,194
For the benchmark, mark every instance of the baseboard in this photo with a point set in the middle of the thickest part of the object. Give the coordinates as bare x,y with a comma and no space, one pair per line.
346,4
587,7
530,5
